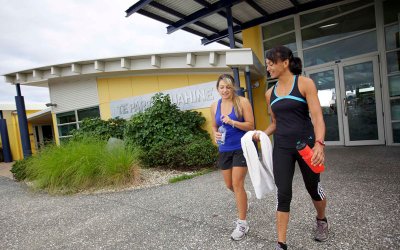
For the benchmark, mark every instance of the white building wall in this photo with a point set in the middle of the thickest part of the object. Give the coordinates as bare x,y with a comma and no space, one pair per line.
73,94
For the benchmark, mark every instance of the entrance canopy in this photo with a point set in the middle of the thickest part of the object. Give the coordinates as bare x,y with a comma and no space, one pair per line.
208,18
41,117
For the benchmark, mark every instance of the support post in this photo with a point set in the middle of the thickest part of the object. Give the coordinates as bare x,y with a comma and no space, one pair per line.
23,123
248,85
249,90
5,141
232,46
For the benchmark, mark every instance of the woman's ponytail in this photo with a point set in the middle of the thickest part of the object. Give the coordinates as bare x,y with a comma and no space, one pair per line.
283,53
295,65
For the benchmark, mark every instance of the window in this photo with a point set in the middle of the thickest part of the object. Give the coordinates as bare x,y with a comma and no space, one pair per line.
396,132
88,113
392,37
342,35
393,61
313,17
288,40
391,9
394,86
279,33
69,121
341,49
277,28
395,108
67,117
340,27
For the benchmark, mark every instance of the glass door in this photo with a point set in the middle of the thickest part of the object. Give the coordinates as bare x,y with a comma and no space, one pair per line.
350,97
43,135
362,102
327,81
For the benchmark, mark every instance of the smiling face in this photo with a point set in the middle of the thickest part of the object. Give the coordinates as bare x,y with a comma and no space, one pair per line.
278,68
225,88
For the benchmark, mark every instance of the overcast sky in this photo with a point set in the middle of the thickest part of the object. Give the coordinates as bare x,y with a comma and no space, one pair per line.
45,32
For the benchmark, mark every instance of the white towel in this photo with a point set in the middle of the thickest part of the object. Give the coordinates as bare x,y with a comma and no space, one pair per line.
261,177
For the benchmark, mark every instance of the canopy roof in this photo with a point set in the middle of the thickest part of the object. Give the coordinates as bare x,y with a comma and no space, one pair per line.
207,18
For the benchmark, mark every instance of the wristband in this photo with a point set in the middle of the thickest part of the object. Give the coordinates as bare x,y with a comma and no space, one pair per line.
322,143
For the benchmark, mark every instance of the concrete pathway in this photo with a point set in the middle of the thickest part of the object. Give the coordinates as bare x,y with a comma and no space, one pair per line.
5,169
362,184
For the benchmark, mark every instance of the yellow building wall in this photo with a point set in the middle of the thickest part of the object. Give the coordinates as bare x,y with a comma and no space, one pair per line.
14,135
31,137
112,89
55,128
252,38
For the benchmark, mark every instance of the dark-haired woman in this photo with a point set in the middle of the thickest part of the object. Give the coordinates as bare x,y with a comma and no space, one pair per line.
290,103
235,114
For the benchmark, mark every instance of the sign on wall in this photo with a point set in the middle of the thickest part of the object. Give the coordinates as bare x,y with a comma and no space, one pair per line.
191,97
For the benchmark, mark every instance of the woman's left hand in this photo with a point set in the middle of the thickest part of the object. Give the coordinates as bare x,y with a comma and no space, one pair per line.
226,119
318,157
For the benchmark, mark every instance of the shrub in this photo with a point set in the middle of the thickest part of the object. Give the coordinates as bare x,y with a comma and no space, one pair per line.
170,137
18,169
97,128
191,155
80,165
200,153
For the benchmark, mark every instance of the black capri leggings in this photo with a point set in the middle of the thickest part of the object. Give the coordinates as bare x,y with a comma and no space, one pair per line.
284,160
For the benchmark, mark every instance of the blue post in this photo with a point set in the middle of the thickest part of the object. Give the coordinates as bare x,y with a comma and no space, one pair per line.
23,123
249,89
248,86
5,141
232,46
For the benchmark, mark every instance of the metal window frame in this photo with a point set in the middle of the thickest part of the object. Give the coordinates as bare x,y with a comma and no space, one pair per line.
77,122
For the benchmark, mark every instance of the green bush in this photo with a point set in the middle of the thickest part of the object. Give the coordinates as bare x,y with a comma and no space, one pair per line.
18,170
97,128
81,165
200,153
170,137
191,155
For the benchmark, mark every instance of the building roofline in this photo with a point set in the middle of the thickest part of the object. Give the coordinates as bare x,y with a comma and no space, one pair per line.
83,61
40,113
187,61
28,106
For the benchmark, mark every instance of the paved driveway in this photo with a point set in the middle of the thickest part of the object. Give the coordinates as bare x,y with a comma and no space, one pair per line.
362,184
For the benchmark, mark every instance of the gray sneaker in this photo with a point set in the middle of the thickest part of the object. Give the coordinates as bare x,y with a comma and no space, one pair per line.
278,247
321,231
240,230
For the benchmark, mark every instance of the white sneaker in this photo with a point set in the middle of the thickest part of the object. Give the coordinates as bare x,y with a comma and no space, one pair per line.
240,231
248,200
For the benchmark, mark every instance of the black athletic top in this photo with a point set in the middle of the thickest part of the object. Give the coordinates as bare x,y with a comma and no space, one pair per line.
293,122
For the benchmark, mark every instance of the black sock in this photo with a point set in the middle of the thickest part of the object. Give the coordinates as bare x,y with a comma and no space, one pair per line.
324,219
282,245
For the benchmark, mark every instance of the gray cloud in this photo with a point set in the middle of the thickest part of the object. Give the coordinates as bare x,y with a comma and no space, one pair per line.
44,32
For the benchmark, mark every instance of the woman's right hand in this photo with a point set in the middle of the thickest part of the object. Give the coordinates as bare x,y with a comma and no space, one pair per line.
217,136
256,137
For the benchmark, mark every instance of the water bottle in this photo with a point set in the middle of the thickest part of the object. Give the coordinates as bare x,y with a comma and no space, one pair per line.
222,130
306,153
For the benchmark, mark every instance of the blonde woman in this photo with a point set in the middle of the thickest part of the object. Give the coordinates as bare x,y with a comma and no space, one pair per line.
235,114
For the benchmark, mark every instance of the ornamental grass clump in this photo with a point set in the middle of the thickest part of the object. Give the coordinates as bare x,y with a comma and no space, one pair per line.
81,165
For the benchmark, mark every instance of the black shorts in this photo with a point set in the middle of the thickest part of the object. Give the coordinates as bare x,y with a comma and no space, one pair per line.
227,160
